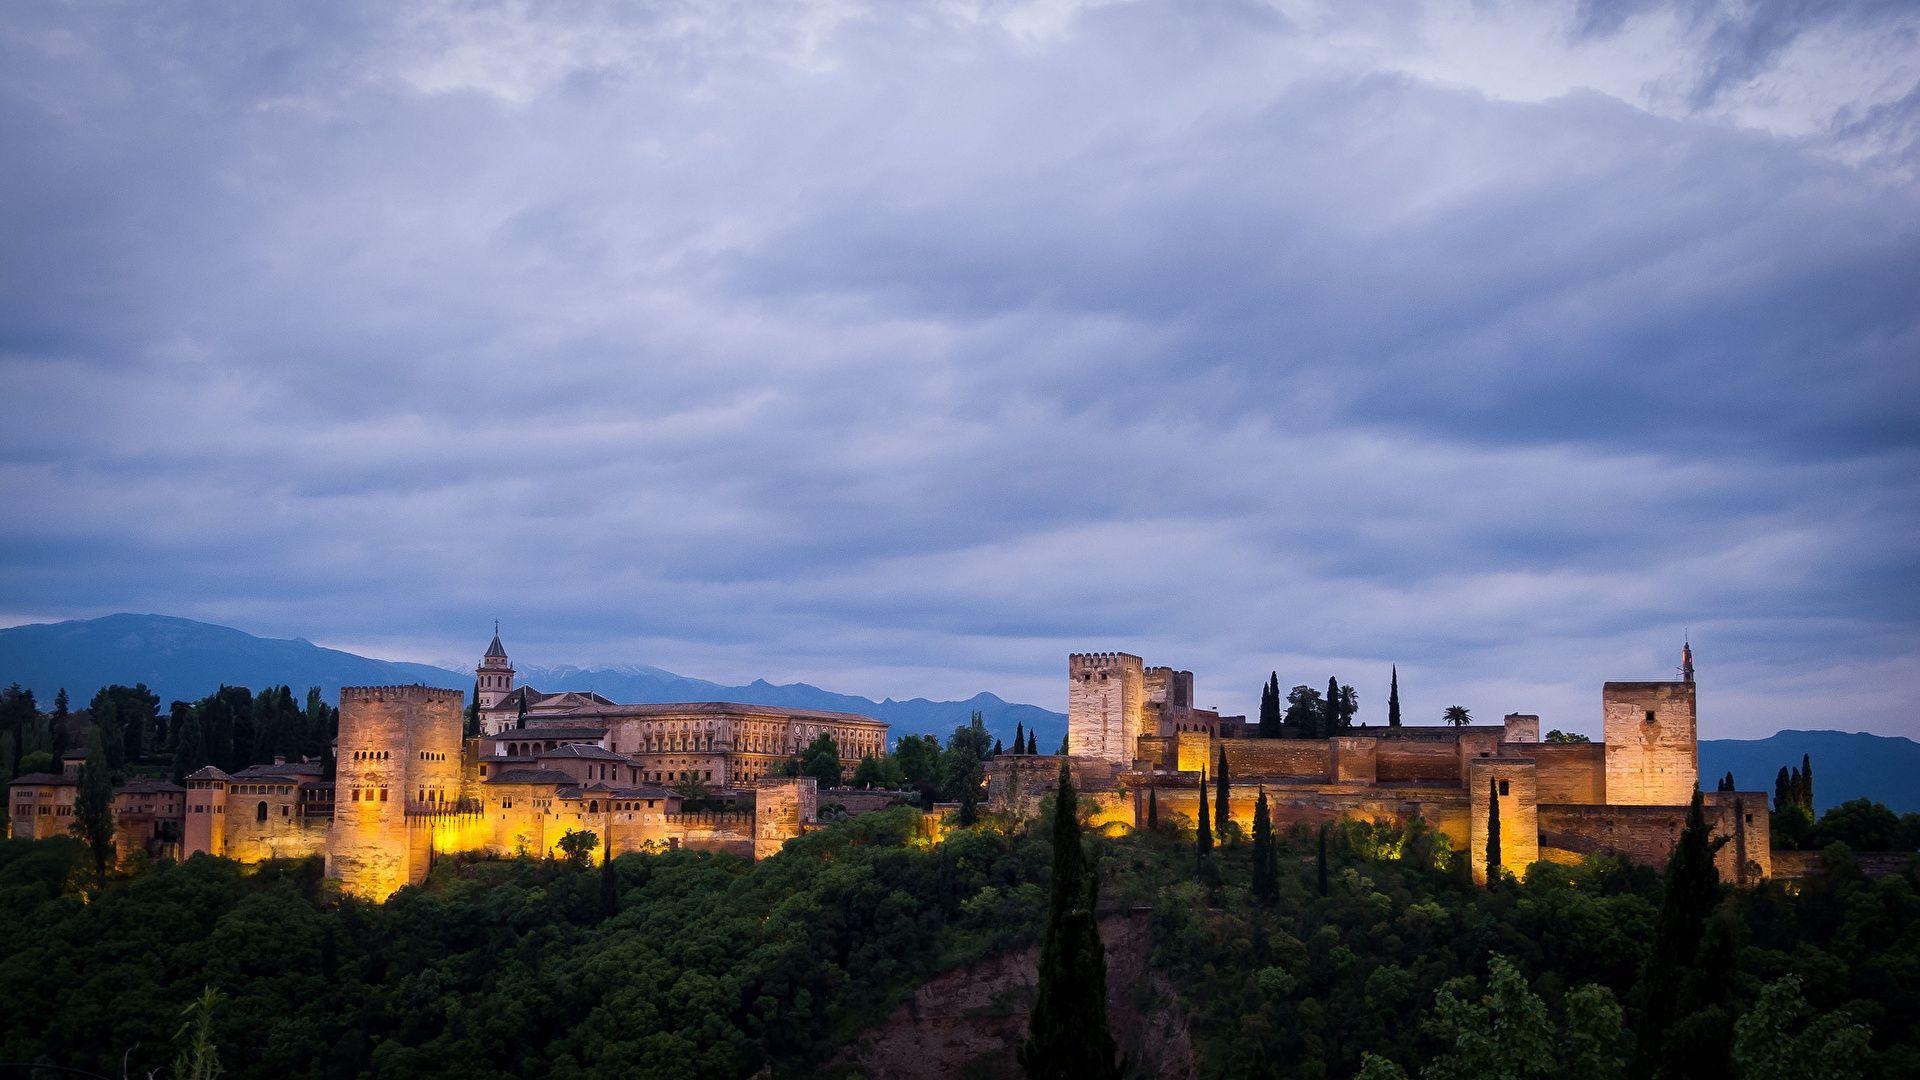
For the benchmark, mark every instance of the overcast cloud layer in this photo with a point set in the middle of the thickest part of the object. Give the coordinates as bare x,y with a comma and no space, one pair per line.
903,348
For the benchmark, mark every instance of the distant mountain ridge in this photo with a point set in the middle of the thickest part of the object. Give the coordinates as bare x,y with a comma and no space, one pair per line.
184,659
181,659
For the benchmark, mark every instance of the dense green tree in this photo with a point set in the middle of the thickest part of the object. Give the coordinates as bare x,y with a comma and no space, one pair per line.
576,845
1304,713
1690,890
878,772
1067,1034
821,760
1863,825
1266,868
190,749
18,711
1393,698
1320,866
1557,736
920,765
1780,1038
93,805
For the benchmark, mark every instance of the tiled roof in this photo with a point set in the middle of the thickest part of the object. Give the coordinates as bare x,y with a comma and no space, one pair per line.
208,772
551,731
534,776
43,779
144,785
586,751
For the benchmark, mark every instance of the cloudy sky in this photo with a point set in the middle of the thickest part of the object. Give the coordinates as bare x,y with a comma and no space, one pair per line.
905,347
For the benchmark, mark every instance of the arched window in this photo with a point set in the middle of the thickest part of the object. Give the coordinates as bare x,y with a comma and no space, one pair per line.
593,806
260,812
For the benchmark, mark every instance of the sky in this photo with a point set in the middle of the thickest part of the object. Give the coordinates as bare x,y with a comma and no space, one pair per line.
904,348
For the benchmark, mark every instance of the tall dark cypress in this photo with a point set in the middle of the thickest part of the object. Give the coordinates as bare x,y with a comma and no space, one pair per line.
520,718
1690,891
1222,812
1033,743
1493,831
1393,698
1067,1034
1782,790
1331,706
473,712
1266,867
1203,837
1806,782
1270,707
1020,737
1153,808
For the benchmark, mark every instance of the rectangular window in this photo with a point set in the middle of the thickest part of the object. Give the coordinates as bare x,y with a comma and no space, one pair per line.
1649,716
1503,787
383,794
356,794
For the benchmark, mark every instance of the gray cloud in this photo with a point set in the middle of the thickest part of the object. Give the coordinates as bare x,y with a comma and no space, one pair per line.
904,352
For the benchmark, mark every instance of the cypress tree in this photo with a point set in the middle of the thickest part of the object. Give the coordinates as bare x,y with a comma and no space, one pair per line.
1067,1034
473,712
1270,707
1493,831
1222,813
1031,748
1153,808
1393,698
609,881
93,807
1690,891
970,801
1020,737
190,748
997,751
520,718
1063,745
1332,705
1203,839
1266,868
1782,790
1806,782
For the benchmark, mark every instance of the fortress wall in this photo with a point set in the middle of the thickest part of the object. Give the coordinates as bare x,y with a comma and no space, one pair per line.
781,809
1194,751
1569,772
1652,748
1312,805
1646,834
1307,758
1416,761
1514,781
1476,745
284,834
1355,760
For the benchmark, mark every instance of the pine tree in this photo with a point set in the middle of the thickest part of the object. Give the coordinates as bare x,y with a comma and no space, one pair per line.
1493,831
1153,808
1222,813
1266,867
1690,891
1067,1034
93,807
1393,698
1019,737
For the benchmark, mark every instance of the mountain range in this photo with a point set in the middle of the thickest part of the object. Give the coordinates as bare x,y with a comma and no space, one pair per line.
183,659
180,659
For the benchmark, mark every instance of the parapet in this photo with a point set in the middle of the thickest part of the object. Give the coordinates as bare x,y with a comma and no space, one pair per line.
1104,660
412,692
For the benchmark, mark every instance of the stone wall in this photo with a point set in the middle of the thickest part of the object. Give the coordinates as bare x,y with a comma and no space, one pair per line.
1425,761
1514,781
1105,706
1355,759
1652,748
264,820
1569,772
1521,728
1303,758
1646,834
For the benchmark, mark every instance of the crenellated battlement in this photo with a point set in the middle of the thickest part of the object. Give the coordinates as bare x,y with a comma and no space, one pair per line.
1100,659
410,692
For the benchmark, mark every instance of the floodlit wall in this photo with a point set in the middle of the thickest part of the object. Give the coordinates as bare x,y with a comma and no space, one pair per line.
1652,744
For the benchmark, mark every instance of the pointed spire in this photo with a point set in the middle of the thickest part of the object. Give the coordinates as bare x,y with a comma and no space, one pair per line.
496,650
1686,658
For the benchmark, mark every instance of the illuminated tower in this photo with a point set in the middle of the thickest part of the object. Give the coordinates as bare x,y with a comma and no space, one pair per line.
495,673
399,754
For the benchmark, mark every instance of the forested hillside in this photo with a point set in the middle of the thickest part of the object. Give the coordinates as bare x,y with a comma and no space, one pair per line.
700,965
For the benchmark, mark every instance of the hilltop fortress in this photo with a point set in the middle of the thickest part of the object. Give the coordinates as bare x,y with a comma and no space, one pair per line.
410,786
1133,734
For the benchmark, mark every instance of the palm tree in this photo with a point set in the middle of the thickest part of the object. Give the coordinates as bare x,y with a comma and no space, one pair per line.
1457,715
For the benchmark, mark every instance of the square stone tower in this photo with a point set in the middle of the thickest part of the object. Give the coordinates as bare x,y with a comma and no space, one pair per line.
1653,747
1106,698
399,748
1516,783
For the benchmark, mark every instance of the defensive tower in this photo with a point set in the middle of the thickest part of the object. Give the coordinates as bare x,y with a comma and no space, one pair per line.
1652,739
1106,695
399,749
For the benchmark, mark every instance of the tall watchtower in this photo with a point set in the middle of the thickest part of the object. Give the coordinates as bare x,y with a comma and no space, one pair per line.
494,676
399,747
1106,697
1653,745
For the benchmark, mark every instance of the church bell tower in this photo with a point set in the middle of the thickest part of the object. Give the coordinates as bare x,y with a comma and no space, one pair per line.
495,673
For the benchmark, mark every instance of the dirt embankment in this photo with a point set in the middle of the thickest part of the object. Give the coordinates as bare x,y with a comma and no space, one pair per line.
967,1022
